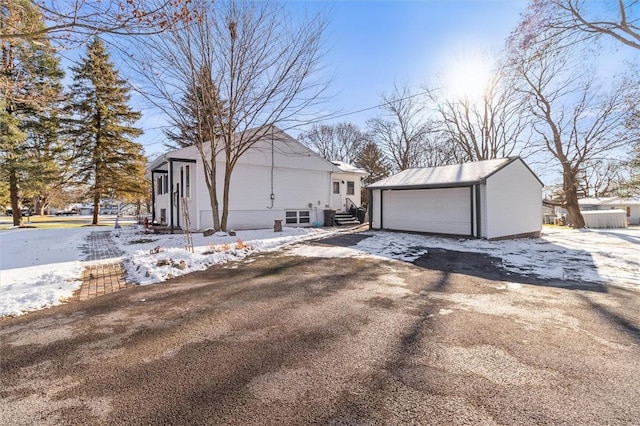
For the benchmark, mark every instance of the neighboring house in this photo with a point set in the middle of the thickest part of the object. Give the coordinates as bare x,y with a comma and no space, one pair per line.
278,178
490,199
630,206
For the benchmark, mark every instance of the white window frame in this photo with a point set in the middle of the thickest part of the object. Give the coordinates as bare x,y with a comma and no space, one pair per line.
297,217
187,181
352,187
335,184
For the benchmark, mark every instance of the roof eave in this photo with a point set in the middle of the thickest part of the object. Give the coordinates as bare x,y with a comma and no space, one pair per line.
431,186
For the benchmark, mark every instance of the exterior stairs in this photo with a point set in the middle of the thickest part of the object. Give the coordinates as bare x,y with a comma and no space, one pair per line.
346,219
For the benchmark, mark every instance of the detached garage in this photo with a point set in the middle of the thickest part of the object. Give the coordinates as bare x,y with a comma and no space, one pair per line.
490,199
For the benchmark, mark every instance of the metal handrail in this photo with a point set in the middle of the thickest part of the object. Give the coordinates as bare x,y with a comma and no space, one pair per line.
350,203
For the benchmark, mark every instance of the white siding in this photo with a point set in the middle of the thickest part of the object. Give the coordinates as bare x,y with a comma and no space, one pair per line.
442,211
356,197
483,211
250,205
634,219
605,219
514,202
374,209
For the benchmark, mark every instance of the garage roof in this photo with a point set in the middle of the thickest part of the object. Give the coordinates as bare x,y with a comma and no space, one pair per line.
444,176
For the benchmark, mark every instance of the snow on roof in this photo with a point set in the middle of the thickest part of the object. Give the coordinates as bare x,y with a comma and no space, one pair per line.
459,174
607,201
348,168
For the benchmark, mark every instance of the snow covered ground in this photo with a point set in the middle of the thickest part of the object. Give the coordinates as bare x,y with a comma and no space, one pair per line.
42,267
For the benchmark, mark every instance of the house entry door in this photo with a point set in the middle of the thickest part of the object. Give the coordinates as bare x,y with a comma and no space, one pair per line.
337,194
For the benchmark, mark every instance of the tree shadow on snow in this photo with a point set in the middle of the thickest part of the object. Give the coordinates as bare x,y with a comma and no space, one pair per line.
495,268
634,239
488,267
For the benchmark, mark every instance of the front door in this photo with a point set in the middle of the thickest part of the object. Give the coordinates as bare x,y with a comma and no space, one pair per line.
337,191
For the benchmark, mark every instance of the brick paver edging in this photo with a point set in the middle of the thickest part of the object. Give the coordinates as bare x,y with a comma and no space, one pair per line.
104,273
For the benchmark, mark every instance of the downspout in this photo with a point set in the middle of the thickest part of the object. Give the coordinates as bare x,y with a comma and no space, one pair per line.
472,212
381,207
153,197
370,209
171,194
272,196
179,193
478,213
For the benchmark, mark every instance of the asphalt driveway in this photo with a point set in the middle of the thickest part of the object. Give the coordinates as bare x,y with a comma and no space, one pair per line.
281,339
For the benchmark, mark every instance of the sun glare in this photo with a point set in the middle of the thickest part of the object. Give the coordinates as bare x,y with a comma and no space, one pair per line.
467,78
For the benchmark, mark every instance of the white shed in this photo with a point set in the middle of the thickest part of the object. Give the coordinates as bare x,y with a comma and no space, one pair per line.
491,199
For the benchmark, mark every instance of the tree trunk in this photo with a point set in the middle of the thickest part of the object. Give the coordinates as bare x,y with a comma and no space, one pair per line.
570,187
96,207
39,205
15,199
225,196
211,181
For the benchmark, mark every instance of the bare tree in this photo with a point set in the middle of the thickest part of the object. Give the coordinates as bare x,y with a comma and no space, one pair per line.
617,19
341,142
577,121
78,20
600,178
403,130
493,126
250,65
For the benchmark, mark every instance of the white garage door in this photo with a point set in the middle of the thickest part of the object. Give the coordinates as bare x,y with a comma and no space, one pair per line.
443,211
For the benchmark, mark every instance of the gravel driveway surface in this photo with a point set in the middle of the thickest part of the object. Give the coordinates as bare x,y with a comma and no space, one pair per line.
281,339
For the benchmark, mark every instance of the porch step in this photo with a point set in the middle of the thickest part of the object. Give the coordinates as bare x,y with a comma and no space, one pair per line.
345,218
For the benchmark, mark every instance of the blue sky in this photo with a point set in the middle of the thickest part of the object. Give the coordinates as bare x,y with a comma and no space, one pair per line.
371,44
377,42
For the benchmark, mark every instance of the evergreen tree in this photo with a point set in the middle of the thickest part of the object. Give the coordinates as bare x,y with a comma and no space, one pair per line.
372,160
199,120
107,158
30,83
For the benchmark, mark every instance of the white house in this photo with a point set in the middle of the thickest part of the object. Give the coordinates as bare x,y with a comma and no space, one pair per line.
629,205
490,199
278,178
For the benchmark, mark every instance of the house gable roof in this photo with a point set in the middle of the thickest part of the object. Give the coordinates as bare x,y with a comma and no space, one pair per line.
458,175
288,147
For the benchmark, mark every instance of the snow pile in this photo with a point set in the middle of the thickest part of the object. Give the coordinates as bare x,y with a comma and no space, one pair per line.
151,258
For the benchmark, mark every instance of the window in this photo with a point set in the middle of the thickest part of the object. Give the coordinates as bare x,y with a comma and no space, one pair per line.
294,217
336,187
291,217
303,217
187,181
162,185
351,188
628,211
182,182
